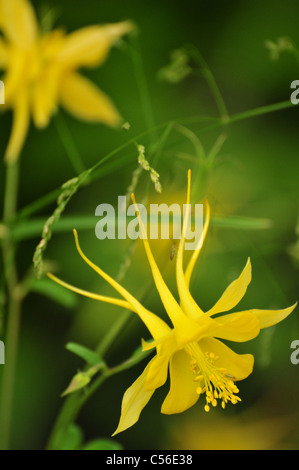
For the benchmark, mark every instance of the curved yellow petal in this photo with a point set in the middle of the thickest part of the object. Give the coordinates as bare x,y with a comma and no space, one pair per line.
14,77
148,345
188,304
91,295
45,97
40,107
21,120
238,366
238,327
268,318
158,370
85,101
182,394
90,46
134,400
234,292
19,23
179,320
195,254
157,373
155,325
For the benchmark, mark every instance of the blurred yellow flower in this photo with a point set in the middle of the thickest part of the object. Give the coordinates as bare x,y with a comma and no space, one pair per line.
198,363
252,429
40,71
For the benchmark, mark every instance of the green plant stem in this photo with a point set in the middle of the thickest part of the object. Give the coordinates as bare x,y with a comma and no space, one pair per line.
68,143
206,71
143,87
14,307
75,401
11,192
8,379
114,331
69,412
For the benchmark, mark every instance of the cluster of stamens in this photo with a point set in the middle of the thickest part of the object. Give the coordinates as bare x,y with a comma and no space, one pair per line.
215,382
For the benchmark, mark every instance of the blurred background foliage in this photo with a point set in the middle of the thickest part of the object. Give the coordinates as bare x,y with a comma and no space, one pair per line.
256,175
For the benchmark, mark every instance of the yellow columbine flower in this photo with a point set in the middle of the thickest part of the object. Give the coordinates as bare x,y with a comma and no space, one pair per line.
40,71
199,363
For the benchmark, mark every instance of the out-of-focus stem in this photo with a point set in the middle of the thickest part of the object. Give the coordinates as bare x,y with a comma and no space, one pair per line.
13,307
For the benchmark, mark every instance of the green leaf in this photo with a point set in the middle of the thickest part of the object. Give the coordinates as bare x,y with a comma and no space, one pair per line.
32,228
27,229
88,355
79,381
102,444
241,223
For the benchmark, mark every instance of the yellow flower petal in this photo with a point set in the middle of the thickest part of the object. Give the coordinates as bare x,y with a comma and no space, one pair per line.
182,325
239,327
182,394
14,77
84,100
238,366
187,302
91,295
20,127
90,46
157,373
45,97
40,107
234,292
158,370
155,325
4,54
269,318
19,22
195,254
134,400
148,345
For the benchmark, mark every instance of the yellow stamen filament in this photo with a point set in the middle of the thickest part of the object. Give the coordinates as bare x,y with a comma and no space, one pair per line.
215,381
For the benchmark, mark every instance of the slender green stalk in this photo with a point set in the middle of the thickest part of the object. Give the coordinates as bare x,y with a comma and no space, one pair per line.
11,192
198,147
112,334
142,86
75,401
14,308
206,71
69,145
68,414
8,378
